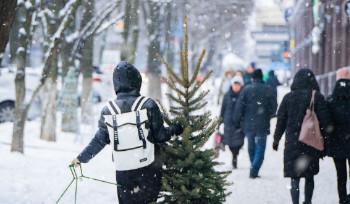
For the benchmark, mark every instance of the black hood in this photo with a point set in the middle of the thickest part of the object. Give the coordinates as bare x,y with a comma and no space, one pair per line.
126,78
304,79
342,89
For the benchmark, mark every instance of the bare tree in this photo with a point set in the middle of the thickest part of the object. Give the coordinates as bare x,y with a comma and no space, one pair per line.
153,12
22,109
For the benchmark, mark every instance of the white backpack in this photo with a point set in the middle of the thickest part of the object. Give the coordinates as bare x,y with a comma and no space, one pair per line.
128,136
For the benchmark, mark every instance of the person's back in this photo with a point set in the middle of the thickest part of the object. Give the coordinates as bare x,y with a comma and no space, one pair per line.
338,145
290,118
272,81
256,105
141,184
339,107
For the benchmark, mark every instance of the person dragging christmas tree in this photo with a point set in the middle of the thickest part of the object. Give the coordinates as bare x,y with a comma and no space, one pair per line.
256,105
133,126
232,137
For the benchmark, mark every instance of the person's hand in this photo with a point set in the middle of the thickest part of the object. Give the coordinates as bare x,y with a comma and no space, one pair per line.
275,146
75,160
178,129
222,128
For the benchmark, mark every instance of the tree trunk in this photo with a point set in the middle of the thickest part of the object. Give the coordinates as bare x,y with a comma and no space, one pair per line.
153,63
154,72
125,34
135,32
86,63
48,117
7,14
14,37
20,88
49,92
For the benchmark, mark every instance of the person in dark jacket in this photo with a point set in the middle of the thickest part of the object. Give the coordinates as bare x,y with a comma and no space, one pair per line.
272,81
146,180
248,73
339,143
232,137
300,160
256,105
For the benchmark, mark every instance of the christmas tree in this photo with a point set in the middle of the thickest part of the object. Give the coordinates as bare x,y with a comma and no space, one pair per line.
189,175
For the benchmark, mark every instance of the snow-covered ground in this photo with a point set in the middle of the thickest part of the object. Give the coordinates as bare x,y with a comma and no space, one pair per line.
41,174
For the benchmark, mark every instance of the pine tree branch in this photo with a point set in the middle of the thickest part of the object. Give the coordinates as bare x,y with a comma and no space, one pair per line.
170,71
194,77
186,52
170,83
199,98
177,100
164,113
199,84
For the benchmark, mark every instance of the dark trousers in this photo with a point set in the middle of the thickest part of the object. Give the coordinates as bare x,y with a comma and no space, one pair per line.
235,152
340,165
309,189
139,186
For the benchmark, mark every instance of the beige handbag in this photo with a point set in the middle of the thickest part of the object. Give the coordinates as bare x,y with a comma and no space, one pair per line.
310,132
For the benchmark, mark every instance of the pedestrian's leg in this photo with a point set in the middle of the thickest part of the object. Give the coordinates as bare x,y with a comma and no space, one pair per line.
340,165
294,191
260,146
234,151
251,146
309,189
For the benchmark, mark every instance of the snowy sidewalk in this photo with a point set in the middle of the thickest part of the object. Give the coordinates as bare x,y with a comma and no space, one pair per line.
42,173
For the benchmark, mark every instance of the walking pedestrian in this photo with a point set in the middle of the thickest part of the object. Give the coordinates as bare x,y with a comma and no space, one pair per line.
256,105
272,81
300,160
339,142
136,153
232,137
225,84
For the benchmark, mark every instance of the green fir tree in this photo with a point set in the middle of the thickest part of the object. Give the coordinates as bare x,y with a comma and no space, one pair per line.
189,175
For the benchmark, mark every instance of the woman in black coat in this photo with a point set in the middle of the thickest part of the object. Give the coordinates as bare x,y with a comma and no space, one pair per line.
232,137
300,160
339,143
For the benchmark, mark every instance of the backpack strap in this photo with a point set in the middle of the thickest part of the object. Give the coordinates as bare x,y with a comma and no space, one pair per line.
141,103
114,109
138,99
137,108
139,129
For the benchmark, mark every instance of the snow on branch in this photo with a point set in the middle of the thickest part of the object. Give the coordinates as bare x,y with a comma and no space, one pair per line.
109,23
52,50
92,26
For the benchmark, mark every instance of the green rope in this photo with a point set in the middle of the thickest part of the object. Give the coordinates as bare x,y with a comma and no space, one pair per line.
76,177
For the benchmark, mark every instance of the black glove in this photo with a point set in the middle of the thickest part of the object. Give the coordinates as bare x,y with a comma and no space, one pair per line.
178,129
275,146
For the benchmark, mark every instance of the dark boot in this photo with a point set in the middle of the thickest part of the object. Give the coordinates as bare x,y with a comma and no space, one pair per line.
307,203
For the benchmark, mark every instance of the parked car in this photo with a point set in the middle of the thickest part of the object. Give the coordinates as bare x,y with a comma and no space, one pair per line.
8,96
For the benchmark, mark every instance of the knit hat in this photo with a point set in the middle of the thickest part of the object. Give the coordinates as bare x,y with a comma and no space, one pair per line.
343,73
238,79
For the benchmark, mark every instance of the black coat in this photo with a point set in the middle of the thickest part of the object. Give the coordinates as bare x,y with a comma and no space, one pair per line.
338,145
127,84
256,105
300,160
230,138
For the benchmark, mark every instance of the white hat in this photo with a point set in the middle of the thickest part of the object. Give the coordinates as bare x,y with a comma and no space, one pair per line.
238,79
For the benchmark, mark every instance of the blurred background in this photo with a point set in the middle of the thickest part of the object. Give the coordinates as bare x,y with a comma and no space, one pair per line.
56,67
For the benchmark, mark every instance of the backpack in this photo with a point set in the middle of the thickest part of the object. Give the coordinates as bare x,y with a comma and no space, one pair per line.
128,136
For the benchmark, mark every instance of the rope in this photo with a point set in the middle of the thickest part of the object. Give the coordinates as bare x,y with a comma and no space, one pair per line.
76,177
